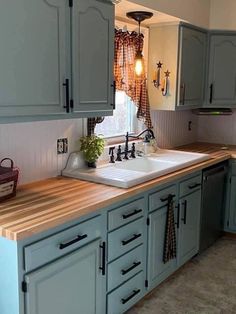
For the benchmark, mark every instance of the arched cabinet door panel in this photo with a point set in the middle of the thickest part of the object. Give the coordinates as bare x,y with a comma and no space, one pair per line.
92,56
33,56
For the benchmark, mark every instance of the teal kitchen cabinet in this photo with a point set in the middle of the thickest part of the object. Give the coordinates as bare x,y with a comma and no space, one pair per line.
182,49
34,57
230,213
70,285
189,219
192,52
56,60
221,89
157,269
92,56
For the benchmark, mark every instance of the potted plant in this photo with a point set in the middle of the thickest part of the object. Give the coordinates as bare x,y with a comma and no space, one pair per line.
92,147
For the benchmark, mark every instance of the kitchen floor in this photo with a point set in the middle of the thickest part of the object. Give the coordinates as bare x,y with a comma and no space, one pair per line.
205,285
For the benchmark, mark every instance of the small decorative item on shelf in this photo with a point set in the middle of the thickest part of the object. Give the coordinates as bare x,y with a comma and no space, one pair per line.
92,147
157,75
165,87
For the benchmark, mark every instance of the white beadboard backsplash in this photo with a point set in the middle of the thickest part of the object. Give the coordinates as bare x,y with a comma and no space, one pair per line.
171,128
217,129
33,146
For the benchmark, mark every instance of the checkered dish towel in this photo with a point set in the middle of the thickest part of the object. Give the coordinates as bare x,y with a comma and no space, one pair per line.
170,236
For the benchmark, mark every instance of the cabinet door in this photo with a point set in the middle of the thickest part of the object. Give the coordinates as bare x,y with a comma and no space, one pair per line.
72,284
192,66
222,71
157,270
93,54
232,204
33,56
188,243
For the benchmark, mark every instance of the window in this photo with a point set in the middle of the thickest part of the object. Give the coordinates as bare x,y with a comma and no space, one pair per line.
123,119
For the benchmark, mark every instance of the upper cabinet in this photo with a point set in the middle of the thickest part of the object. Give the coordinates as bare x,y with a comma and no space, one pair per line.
92,57
56,58
33,56
182,50
221,89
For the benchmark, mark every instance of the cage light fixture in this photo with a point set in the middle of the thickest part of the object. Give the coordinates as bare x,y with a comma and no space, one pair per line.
139,16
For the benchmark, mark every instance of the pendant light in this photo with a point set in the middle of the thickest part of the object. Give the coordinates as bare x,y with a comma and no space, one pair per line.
139,16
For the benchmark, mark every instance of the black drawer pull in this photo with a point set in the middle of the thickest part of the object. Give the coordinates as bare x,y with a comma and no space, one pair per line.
194,185
126,271
77,239
164,199
136,211
178,216
134,293
135,236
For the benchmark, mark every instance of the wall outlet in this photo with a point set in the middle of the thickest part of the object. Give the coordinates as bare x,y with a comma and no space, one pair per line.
62,146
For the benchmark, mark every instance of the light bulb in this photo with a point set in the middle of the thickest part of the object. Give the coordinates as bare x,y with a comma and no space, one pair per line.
138,66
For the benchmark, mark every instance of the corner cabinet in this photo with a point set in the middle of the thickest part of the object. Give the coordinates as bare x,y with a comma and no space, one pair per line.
92,56
70,285
221,89
57,59
34,57
182,49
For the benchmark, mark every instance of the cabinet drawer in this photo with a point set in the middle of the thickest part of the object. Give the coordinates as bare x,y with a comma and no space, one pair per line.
125,267
48,249
233,168
190,185
125,239
125,296
125,214
159,198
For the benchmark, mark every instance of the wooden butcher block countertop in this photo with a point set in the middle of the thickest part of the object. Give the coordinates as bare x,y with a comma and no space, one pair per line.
52,202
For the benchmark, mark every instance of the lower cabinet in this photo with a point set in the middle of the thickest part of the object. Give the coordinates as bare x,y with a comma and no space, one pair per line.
230,213
189,227
72,284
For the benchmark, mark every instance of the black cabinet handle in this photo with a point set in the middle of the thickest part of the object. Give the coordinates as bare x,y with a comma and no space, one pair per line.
75,240
194,185
164,199
103,267
114,95
67,86
185,212
211,93
135,236
135,212
126,271
178,215
134,293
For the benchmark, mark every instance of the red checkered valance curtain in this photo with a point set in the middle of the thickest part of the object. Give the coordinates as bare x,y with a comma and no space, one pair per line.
126,47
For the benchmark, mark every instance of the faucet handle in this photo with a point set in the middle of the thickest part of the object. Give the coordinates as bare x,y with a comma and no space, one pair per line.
132,154
111,153
118,157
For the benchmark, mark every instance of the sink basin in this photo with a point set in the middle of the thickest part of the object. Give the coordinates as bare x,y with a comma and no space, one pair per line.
128,173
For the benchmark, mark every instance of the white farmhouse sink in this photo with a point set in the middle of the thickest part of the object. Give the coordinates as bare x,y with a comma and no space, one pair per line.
128,173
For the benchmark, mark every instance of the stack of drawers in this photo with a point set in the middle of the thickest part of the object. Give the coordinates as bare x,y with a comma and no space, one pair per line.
126,256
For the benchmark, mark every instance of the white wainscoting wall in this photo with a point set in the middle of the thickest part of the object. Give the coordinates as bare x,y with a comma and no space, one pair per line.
217,129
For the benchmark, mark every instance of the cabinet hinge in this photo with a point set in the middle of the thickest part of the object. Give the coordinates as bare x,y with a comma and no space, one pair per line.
70,3
71,103
24,286
148,221
146,283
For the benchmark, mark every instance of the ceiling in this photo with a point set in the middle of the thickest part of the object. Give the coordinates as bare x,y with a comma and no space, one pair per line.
125,6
